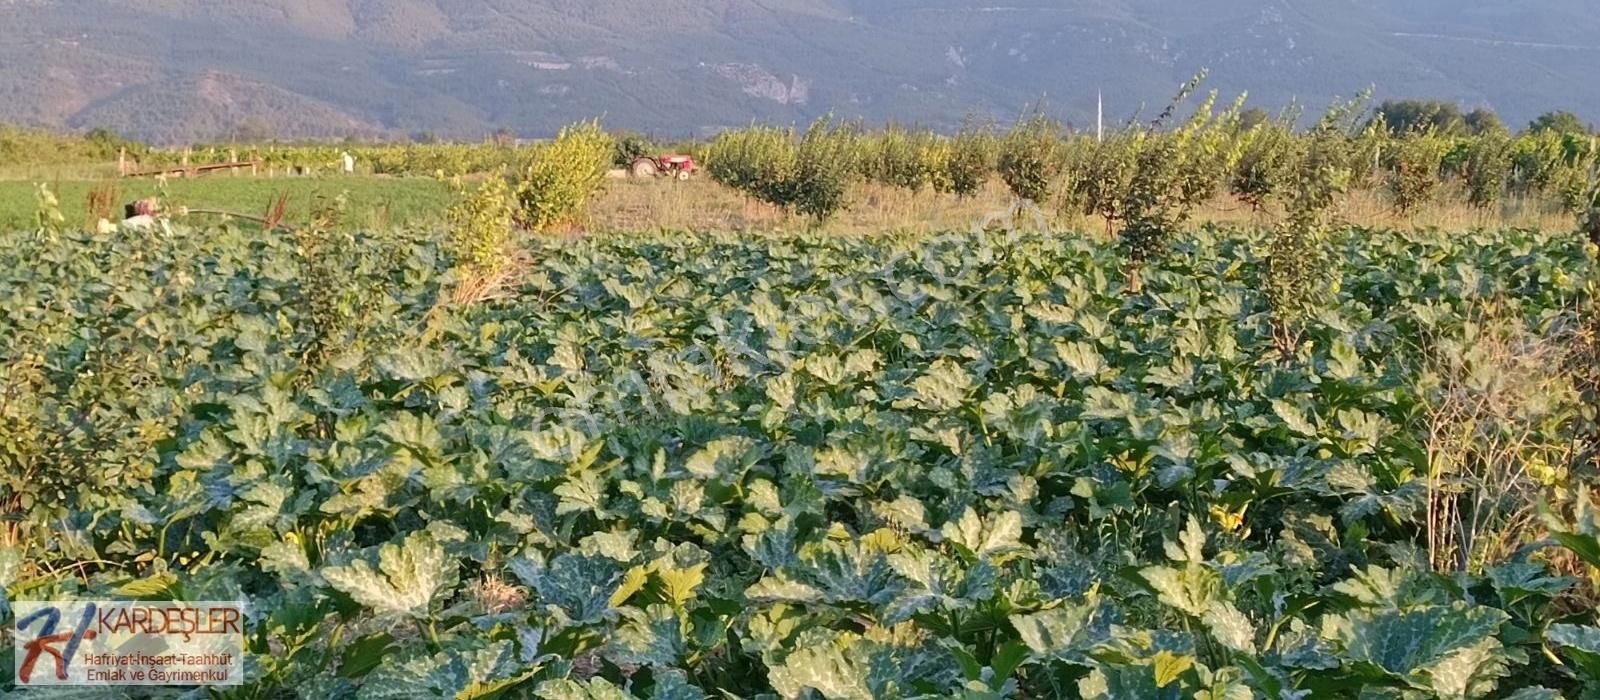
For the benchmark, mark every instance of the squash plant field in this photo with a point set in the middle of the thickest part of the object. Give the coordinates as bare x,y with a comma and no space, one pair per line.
675,466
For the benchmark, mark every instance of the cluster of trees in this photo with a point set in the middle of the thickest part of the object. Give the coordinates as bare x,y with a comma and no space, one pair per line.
550,186
35,147
1412,152
810,172
1446,118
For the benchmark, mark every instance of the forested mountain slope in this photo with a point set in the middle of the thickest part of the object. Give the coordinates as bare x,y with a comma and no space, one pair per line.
176,70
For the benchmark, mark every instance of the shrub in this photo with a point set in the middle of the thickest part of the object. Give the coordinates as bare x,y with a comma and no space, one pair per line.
825,165
1318,170
1028,158
1487,169
1590,211
1499,450
936,156
561,176
629,148
1100,175
811,177
1173,172
1574,187
1208,151
1368,148
758,161
480,225
898,158
971,160
1266,154
331,305
1414,170
48,210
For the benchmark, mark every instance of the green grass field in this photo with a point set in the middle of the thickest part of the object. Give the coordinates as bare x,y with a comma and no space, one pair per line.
373,201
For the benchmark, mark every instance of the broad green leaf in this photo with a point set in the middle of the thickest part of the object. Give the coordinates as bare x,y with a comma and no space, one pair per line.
466,675
999,535
1470,672
776,588
558,444
1293,417
633,581
157,587
1082,358
650,637
1127,682
286,559
594,689
1230,627
1193,543
674,685
1535,693
1403,643
577,588
824,669
944,387
722,458
357,659
1192,589
1169,666
1063,633
679,584
1581,643
407,577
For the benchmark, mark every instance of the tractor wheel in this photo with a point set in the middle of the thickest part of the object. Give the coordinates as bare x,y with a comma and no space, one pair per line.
644,167
683,175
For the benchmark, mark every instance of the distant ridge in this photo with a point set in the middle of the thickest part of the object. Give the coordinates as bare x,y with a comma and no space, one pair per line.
182,70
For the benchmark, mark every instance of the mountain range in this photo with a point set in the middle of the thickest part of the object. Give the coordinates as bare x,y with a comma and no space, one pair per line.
171,71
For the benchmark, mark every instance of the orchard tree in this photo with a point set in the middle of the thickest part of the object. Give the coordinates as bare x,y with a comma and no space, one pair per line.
1405,116
1174,171
1029,159
1320,173
971,160
1484,122
1266,154
1487,169
1559,122
1414,164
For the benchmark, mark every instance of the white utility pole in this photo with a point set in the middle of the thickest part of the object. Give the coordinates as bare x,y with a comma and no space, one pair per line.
1099,116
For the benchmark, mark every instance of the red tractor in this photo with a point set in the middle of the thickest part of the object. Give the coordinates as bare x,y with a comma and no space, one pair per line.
676,166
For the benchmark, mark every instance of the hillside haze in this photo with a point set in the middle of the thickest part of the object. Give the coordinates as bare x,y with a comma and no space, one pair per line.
182,70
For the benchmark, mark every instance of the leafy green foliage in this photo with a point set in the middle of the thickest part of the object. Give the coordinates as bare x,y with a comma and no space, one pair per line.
755,161
628,148
968,162
1172,173
407,577
559,178
1029,159
1559,122
1405,116
481,225
1488,170
810,177
1415,160
690,465
1266,161
900,157
1296,261
825,165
